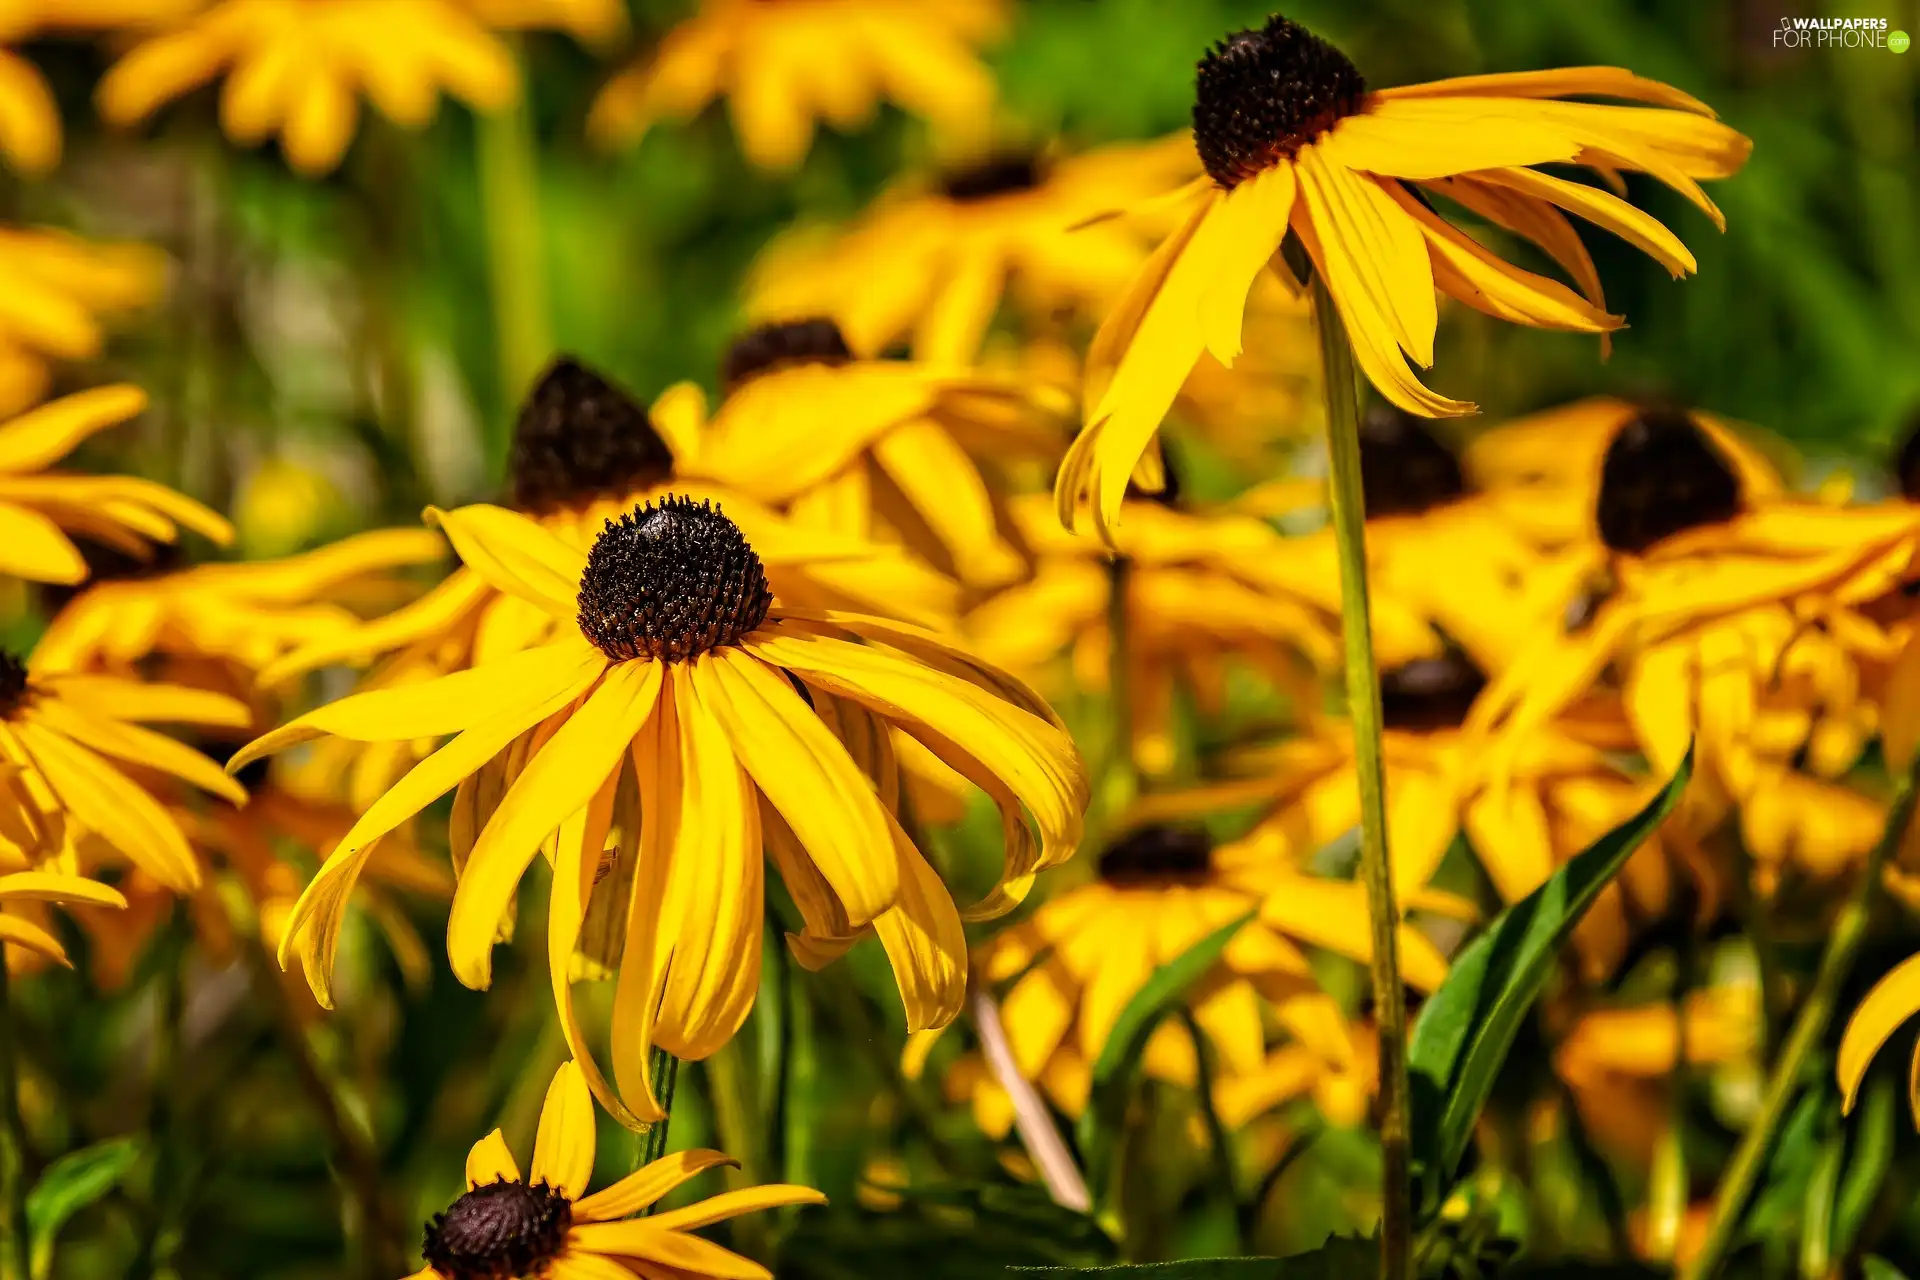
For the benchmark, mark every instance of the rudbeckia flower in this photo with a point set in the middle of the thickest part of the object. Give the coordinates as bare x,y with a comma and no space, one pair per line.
931,261
869,447
584,452
1293,140
295,67
673,669
20,933
1076,961
60,291
784,66
74,745
544,1225
39,508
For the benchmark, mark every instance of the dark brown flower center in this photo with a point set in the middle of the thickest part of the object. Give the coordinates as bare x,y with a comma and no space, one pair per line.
1405,469
1661,476
999,176
1430,693
670,581
502,1231
579,438
13,683
1908,464
816,340
1262,95
1156,854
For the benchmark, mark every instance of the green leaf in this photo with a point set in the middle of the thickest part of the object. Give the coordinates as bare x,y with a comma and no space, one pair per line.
1113,1072
1869,1157
1466,1029
1340,1258
1875,1267
69,1185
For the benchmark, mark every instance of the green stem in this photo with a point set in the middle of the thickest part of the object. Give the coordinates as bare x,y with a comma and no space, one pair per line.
1217,1136
664,1071
13,1148
510,205
731,1090
163,1118
1123,775
1363,709
1757,1144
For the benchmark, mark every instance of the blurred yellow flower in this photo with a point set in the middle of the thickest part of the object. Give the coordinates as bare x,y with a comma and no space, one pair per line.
931,261
785,64
886,450
544,1223
674,677
60,288
294,68
39,508
1292,139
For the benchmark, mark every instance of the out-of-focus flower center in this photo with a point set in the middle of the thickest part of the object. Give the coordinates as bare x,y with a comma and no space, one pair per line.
1430,693
13,683
1155,854
815,340
579,438
669,581
501,1231
1405,469
1909,464
1662,475
1262,95
1000,176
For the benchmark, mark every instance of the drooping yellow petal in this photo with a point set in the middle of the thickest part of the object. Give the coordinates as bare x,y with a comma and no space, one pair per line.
54,886
924,941
1893,1000
682,1254
40,437
1554,82
645,1186
17,932
1422,138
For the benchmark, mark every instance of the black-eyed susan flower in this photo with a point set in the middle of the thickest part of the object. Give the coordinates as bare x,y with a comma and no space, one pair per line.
61,292
583,452
891,450
544,1225
1293,140
673,671
784,66
74,745
296,68
1075,962
930,263
39,508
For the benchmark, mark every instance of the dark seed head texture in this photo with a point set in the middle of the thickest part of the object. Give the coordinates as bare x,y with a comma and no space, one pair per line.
815,340
579,438
1157,853
1661,476
669,581
1262,95
1002,175
1430,693
1405,469
502,1231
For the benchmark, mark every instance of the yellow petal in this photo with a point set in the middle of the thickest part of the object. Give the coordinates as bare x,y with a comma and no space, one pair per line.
732,1204
490,1161
1893,1000
515,555
645,1186
564,1146
43,436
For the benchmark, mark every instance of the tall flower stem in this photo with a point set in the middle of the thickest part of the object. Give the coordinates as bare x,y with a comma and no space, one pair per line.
664,1071
510,212
1816,1011
1363,709
1122,782
13,1148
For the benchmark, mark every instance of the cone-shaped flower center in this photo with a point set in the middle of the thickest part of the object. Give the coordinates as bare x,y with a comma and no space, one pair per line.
501,1231
1909,465
1157,853
580,438
1404,468
1262,95
779,346
13,683
670,581
1662,475
1002,175
1430,693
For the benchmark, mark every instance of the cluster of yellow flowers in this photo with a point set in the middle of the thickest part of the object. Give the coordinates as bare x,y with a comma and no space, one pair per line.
840,606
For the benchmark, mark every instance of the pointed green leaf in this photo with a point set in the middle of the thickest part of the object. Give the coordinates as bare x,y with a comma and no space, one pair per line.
69,1185
1874,1267
1466,1029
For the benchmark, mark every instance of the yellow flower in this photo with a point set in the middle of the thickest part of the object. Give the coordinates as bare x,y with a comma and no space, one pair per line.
786,64
74,746
59,290
294,68
676,679
583,453
29,117
842,443
39,508
544,1225
931,261
20,933
1292,139
1084,953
